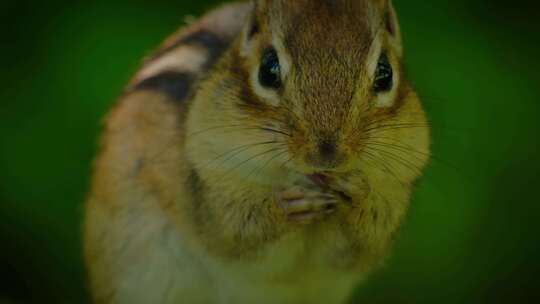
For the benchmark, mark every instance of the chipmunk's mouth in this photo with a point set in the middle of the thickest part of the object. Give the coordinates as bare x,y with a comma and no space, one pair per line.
319,179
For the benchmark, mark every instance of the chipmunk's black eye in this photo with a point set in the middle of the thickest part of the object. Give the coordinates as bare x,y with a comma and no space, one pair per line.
384,76
270,70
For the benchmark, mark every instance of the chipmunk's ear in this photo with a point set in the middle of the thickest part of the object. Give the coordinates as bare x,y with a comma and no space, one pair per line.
391,25
390,19
252,27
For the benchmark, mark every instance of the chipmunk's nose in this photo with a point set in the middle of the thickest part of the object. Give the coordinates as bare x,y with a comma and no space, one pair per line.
326,154
327,148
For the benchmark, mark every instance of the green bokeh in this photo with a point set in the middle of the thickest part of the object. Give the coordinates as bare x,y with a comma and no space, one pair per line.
473,232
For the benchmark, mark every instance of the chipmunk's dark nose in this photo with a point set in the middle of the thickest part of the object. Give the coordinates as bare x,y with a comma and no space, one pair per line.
327,149
326,154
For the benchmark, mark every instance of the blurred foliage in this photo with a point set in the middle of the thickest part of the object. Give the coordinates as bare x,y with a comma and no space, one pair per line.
473,232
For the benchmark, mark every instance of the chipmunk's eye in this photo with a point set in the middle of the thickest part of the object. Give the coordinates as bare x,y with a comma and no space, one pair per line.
384,76
270,70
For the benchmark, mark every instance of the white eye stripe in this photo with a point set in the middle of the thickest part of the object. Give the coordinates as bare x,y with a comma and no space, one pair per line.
383,99
373,56
283,55
387,99
268,94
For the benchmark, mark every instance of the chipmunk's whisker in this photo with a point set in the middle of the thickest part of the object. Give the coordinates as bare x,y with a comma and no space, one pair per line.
237,150
237,166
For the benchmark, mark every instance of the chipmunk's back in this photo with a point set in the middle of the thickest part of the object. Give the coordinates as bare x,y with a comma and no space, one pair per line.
141,154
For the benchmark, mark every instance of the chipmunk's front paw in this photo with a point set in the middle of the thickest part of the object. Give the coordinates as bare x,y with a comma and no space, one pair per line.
304,206
350,188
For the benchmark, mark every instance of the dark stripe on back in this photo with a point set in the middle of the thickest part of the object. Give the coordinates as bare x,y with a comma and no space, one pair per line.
210,41
176,85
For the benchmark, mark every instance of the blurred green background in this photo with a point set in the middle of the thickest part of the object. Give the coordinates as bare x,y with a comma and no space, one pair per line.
473,234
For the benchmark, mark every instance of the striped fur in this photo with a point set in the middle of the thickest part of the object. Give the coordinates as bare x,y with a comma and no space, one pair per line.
188,201
175,68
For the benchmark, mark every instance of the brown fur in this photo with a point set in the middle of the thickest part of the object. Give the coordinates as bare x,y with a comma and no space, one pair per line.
206,175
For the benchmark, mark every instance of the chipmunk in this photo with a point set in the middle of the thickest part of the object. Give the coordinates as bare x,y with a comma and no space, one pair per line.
266,153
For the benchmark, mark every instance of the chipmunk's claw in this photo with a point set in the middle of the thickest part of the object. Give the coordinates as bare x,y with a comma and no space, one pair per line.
305,206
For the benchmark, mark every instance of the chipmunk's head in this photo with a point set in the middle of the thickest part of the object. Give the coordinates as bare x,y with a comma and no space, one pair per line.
324,77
